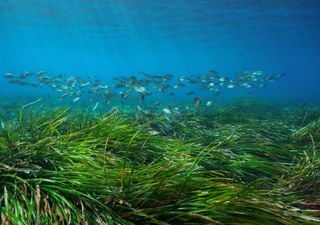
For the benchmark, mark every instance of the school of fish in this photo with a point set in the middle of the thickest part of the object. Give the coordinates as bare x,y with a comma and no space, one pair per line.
138,88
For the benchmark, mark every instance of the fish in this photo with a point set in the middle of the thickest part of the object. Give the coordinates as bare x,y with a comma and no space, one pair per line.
153,132
143,115
179,85
209,103
40,73
142,91
84,84
74,100
104,86
183,78
262,85
10,76
65,87
65,95
166,111
95,106
139,108
124,94
257,73
25,74
167,77
162,87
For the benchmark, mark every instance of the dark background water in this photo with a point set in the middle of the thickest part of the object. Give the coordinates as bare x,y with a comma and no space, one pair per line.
109,38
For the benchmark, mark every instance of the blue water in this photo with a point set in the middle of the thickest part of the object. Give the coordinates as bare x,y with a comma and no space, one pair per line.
108,38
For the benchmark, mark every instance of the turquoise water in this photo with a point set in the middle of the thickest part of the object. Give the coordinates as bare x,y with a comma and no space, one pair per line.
106,39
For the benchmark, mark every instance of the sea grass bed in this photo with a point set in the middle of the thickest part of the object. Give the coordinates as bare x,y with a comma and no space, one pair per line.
245,162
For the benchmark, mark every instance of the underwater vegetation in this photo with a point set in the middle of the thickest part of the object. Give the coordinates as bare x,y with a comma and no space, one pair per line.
245,162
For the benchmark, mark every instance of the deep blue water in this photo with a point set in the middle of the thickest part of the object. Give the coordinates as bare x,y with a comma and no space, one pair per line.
109,38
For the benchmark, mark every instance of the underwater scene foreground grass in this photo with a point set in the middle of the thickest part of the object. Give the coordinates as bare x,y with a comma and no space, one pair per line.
245,162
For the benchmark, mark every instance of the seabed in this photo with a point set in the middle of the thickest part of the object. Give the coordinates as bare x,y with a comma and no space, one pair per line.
244,162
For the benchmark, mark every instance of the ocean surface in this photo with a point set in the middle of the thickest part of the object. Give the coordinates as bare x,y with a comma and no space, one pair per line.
112,38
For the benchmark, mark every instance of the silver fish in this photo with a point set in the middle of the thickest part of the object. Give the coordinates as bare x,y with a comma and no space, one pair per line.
95,106
166,111
209,103
74,100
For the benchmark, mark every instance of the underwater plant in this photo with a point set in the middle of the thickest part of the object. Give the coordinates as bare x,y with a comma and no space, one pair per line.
260,166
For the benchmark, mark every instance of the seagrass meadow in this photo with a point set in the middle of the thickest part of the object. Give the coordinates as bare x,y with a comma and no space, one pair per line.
244,162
